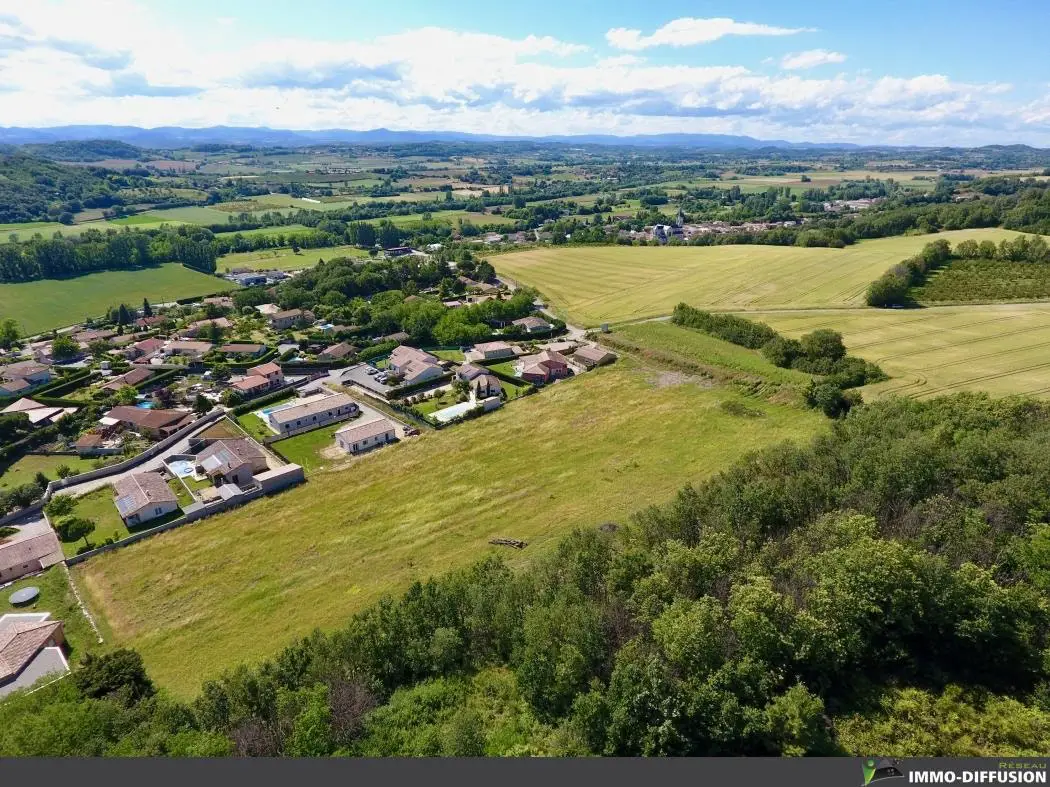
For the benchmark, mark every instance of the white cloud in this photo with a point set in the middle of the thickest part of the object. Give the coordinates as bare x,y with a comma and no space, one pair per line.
87,70
689,31
810,59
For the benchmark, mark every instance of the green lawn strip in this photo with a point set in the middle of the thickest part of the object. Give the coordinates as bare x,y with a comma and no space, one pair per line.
25,469
448,355
98,506
305,449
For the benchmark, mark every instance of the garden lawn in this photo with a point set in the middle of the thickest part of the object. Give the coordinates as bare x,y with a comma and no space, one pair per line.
25,469
589,285
456,356
53,303
241,585
98,507
305,449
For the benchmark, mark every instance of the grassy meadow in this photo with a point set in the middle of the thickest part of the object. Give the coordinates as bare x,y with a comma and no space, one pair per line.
53,303
285,259
25,469
1002,349
57,598
589,285
241,585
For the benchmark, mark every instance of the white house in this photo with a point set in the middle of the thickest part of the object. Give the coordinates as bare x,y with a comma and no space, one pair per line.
312,412
355,438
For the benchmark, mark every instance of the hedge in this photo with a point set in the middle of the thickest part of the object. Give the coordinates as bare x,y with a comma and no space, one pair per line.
65,384
162,377
254,404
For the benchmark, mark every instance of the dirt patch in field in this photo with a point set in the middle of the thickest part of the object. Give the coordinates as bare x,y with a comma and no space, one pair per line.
665,379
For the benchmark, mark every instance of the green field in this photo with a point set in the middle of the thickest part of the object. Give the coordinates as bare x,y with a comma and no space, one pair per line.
53,303
284,259
673,342
977,281
240,585
305,449
190,215
589,285
25,469
447,217
1002,349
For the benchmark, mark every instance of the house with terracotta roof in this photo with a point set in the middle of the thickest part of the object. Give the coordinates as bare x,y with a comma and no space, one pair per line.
29,555
194,328
485,385
543,367
243,348
532,324
337,352
233,461
357,438
590,356
31,648
413,365
38,414
470,371
19,378
141,497
188,349
153,423
145,349
273,373
135,376
286,319
490,351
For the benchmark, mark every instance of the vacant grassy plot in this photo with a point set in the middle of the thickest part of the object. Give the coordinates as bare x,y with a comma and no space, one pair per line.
25,469
985,280
191,215
241,585
447,217
52,303
285,259
674,341
590,285
1002,349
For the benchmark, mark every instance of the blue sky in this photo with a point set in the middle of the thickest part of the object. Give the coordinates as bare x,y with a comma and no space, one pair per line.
919,72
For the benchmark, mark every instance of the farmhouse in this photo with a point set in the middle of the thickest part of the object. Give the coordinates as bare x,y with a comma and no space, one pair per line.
533,324
356,438
137,375
591,355
311,413
490,351
286,319
141,497
29,555
152,423
30,649
233,461
544,367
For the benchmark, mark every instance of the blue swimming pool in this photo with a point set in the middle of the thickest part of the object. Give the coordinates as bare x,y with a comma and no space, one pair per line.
181,467
145,404
454,411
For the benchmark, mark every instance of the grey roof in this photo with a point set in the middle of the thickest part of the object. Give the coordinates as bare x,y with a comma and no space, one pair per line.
223,456
301,411
353,432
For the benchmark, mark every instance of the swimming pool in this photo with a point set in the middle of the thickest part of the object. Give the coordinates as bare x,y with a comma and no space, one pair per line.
145,404
183,468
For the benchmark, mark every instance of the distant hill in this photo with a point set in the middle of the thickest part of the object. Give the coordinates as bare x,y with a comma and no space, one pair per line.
177,137
86,150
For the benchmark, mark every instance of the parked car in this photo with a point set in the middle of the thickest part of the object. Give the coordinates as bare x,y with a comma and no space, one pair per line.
371,370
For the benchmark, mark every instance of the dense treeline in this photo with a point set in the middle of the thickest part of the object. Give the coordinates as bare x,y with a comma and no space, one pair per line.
821,353
798,603
894,288
93,251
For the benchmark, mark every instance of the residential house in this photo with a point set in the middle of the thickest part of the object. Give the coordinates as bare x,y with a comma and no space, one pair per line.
268,309
272,372
95,444
251,386
137,375
233,461
29,555
156,424
312,412
356,438
86,337
485,385
470,371
145,349
150,322
337,352
490,351
18,378
283,320
591,355
30,650
38,414
249,349
543,367
188,349
414,366
195,328
400,337
141,497
398,251
533,324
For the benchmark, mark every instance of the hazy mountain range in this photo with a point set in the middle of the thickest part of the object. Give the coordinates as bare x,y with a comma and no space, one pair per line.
178,137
